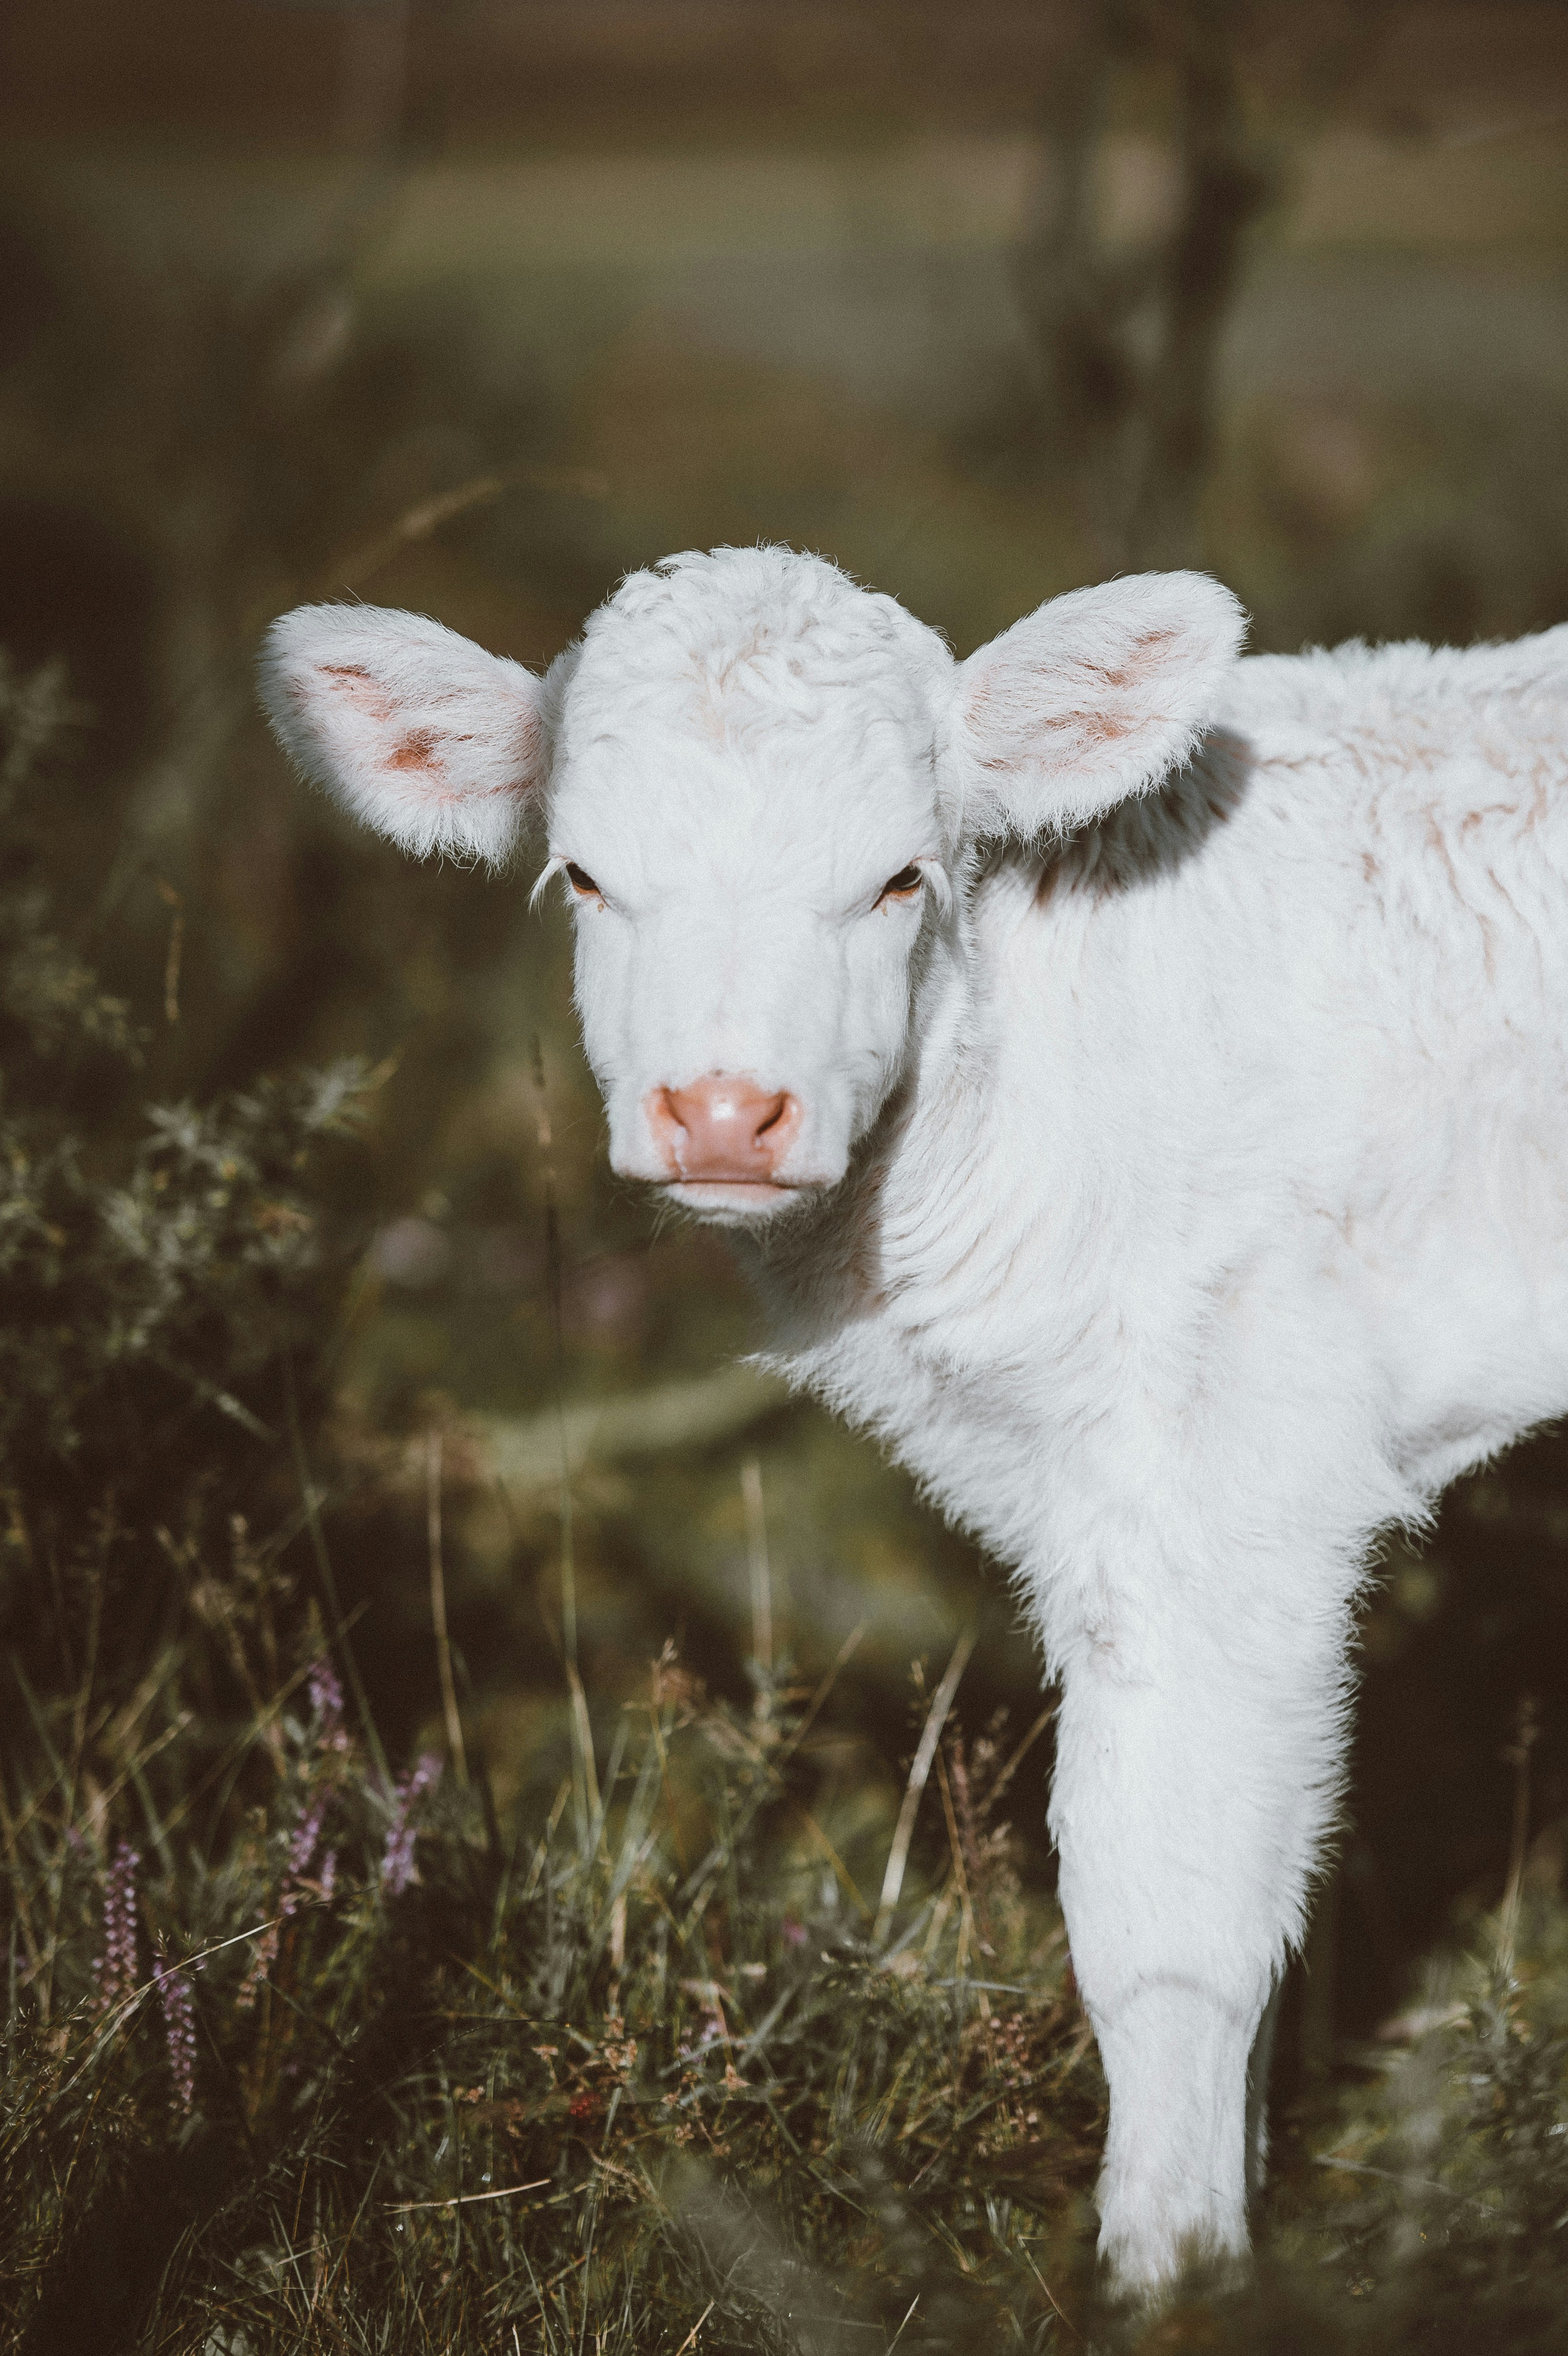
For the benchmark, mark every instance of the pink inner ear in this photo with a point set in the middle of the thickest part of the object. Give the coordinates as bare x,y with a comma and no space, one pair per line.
359,688
1100,727
1030,711
416,752
418,748
1027,721
1134,663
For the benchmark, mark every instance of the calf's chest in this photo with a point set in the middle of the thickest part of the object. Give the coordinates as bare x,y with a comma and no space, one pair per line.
942,1321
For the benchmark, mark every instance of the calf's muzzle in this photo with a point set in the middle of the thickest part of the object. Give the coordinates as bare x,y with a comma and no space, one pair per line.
723,1131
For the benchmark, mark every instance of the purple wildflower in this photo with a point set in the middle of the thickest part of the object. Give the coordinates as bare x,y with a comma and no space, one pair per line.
710,2030
262,1962
397,1857
326,1693
304,1843
117,1965
326,1697
179,2031
302,1849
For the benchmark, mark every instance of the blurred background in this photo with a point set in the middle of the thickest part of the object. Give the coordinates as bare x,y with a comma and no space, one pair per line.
471,306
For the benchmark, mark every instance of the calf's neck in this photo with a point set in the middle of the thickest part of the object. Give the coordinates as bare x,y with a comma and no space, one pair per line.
1138,1078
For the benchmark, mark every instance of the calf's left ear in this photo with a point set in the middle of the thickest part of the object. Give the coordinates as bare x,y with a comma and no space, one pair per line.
418,733
1096,696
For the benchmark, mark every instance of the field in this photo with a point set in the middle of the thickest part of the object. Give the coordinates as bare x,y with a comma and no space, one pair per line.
515,1834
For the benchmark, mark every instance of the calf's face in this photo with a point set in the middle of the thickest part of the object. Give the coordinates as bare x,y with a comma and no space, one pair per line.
756,781
755,844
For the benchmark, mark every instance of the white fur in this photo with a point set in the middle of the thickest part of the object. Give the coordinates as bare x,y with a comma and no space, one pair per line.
1186,1199
414,730
1091,698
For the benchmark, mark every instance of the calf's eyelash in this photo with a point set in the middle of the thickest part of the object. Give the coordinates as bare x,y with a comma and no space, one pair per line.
584,889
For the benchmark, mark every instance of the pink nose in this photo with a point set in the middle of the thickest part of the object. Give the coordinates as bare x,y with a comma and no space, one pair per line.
722,1129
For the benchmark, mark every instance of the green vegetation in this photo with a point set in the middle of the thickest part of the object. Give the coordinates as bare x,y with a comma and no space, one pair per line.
308,2048
367,2068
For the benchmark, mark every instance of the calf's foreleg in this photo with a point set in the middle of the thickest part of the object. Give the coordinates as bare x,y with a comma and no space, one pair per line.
1197,1768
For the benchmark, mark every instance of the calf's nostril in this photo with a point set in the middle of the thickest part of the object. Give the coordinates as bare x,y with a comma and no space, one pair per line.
722,1128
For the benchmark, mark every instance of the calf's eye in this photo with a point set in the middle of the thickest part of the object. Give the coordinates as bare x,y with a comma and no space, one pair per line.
901,886
582,882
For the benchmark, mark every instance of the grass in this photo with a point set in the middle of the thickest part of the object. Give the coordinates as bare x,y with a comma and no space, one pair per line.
299,2055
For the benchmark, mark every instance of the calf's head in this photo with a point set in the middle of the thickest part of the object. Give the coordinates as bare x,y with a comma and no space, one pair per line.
758,784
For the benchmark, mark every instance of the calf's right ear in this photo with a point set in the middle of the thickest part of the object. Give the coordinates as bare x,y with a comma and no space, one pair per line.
418,733
1094,698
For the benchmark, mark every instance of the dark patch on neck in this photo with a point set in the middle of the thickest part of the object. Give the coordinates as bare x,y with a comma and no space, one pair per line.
1150,836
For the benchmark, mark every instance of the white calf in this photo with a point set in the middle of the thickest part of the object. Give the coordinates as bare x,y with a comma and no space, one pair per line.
1139,1081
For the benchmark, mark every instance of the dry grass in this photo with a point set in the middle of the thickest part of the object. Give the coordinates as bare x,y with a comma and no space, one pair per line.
351,2065
297,2056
